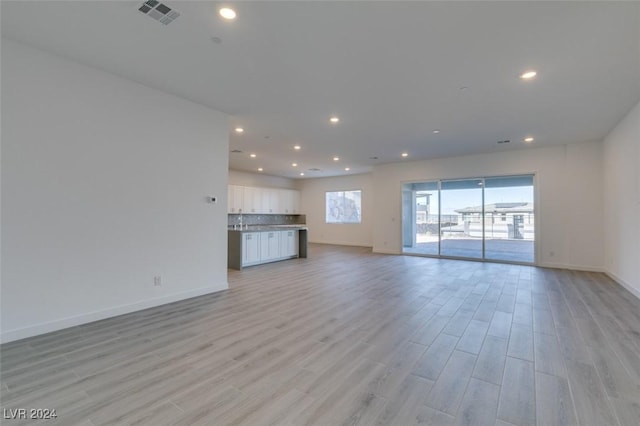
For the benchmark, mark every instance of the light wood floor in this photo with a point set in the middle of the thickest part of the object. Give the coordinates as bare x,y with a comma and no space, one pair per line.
349,337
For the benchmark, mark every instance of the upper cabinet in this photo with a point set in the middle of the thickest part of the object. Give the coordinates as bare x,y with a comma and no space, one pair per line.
253,200
270,200
289,201
295,202
235,199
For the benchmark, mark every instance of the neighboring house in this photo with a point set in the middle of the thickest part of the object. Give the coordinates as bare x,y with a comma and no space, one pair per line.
502,220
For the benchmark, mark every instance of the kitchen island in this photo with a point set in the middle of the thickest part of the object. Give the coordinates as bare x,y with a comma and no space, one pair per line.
258,244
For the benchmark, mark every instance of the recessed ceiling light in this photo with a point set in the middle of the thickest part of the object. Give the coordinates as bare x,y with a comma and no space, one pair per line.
336,158
436,131
297,147
334,119
227,13
346,169
259,169
405,154
252,155
239,130
529,139
528,75
294,164
301,173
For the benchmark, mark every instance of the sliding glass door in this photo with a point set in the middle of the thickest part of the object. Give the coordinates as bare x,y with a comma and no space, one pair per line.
420,225
461,218
490,218
509,218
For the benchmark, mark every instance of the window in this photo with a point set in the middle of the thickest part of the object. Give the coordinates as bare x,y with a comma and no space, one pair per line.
344,207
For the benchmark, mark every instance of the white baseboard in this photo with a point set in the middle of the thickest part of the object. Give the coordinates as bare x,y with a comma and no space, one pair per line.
386,252
340,243
623,283
570,267
42,328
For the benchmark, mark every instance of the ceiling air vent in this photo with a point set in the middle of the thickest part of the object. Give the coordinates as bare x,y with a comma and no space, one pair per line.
501,142
236,151
314,169
159,11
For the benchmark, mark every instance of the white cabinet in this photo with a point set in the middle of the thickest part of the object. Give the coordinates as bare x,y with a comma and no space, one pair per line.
270,200
235,200
265,200
270,245
264,246
250,248
295,202
288,243
284,195
275,202
252,200
289,201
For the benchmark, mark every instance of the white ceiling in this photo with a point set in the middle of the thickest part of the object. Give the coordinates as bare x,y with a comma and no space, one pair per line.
392,71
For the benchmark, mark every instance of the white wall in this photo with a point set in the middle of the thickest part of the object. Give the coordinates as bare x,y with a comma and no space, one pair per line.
313,205
622,201
568,198
237,177
103,188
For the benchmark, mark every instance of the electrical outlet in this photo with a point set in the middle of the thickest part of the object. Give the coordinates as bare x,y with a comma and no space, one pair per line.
157,280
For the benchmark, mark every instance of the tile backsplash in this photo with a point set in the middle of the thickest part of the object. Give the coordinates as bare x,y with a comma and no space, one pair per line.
267,219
